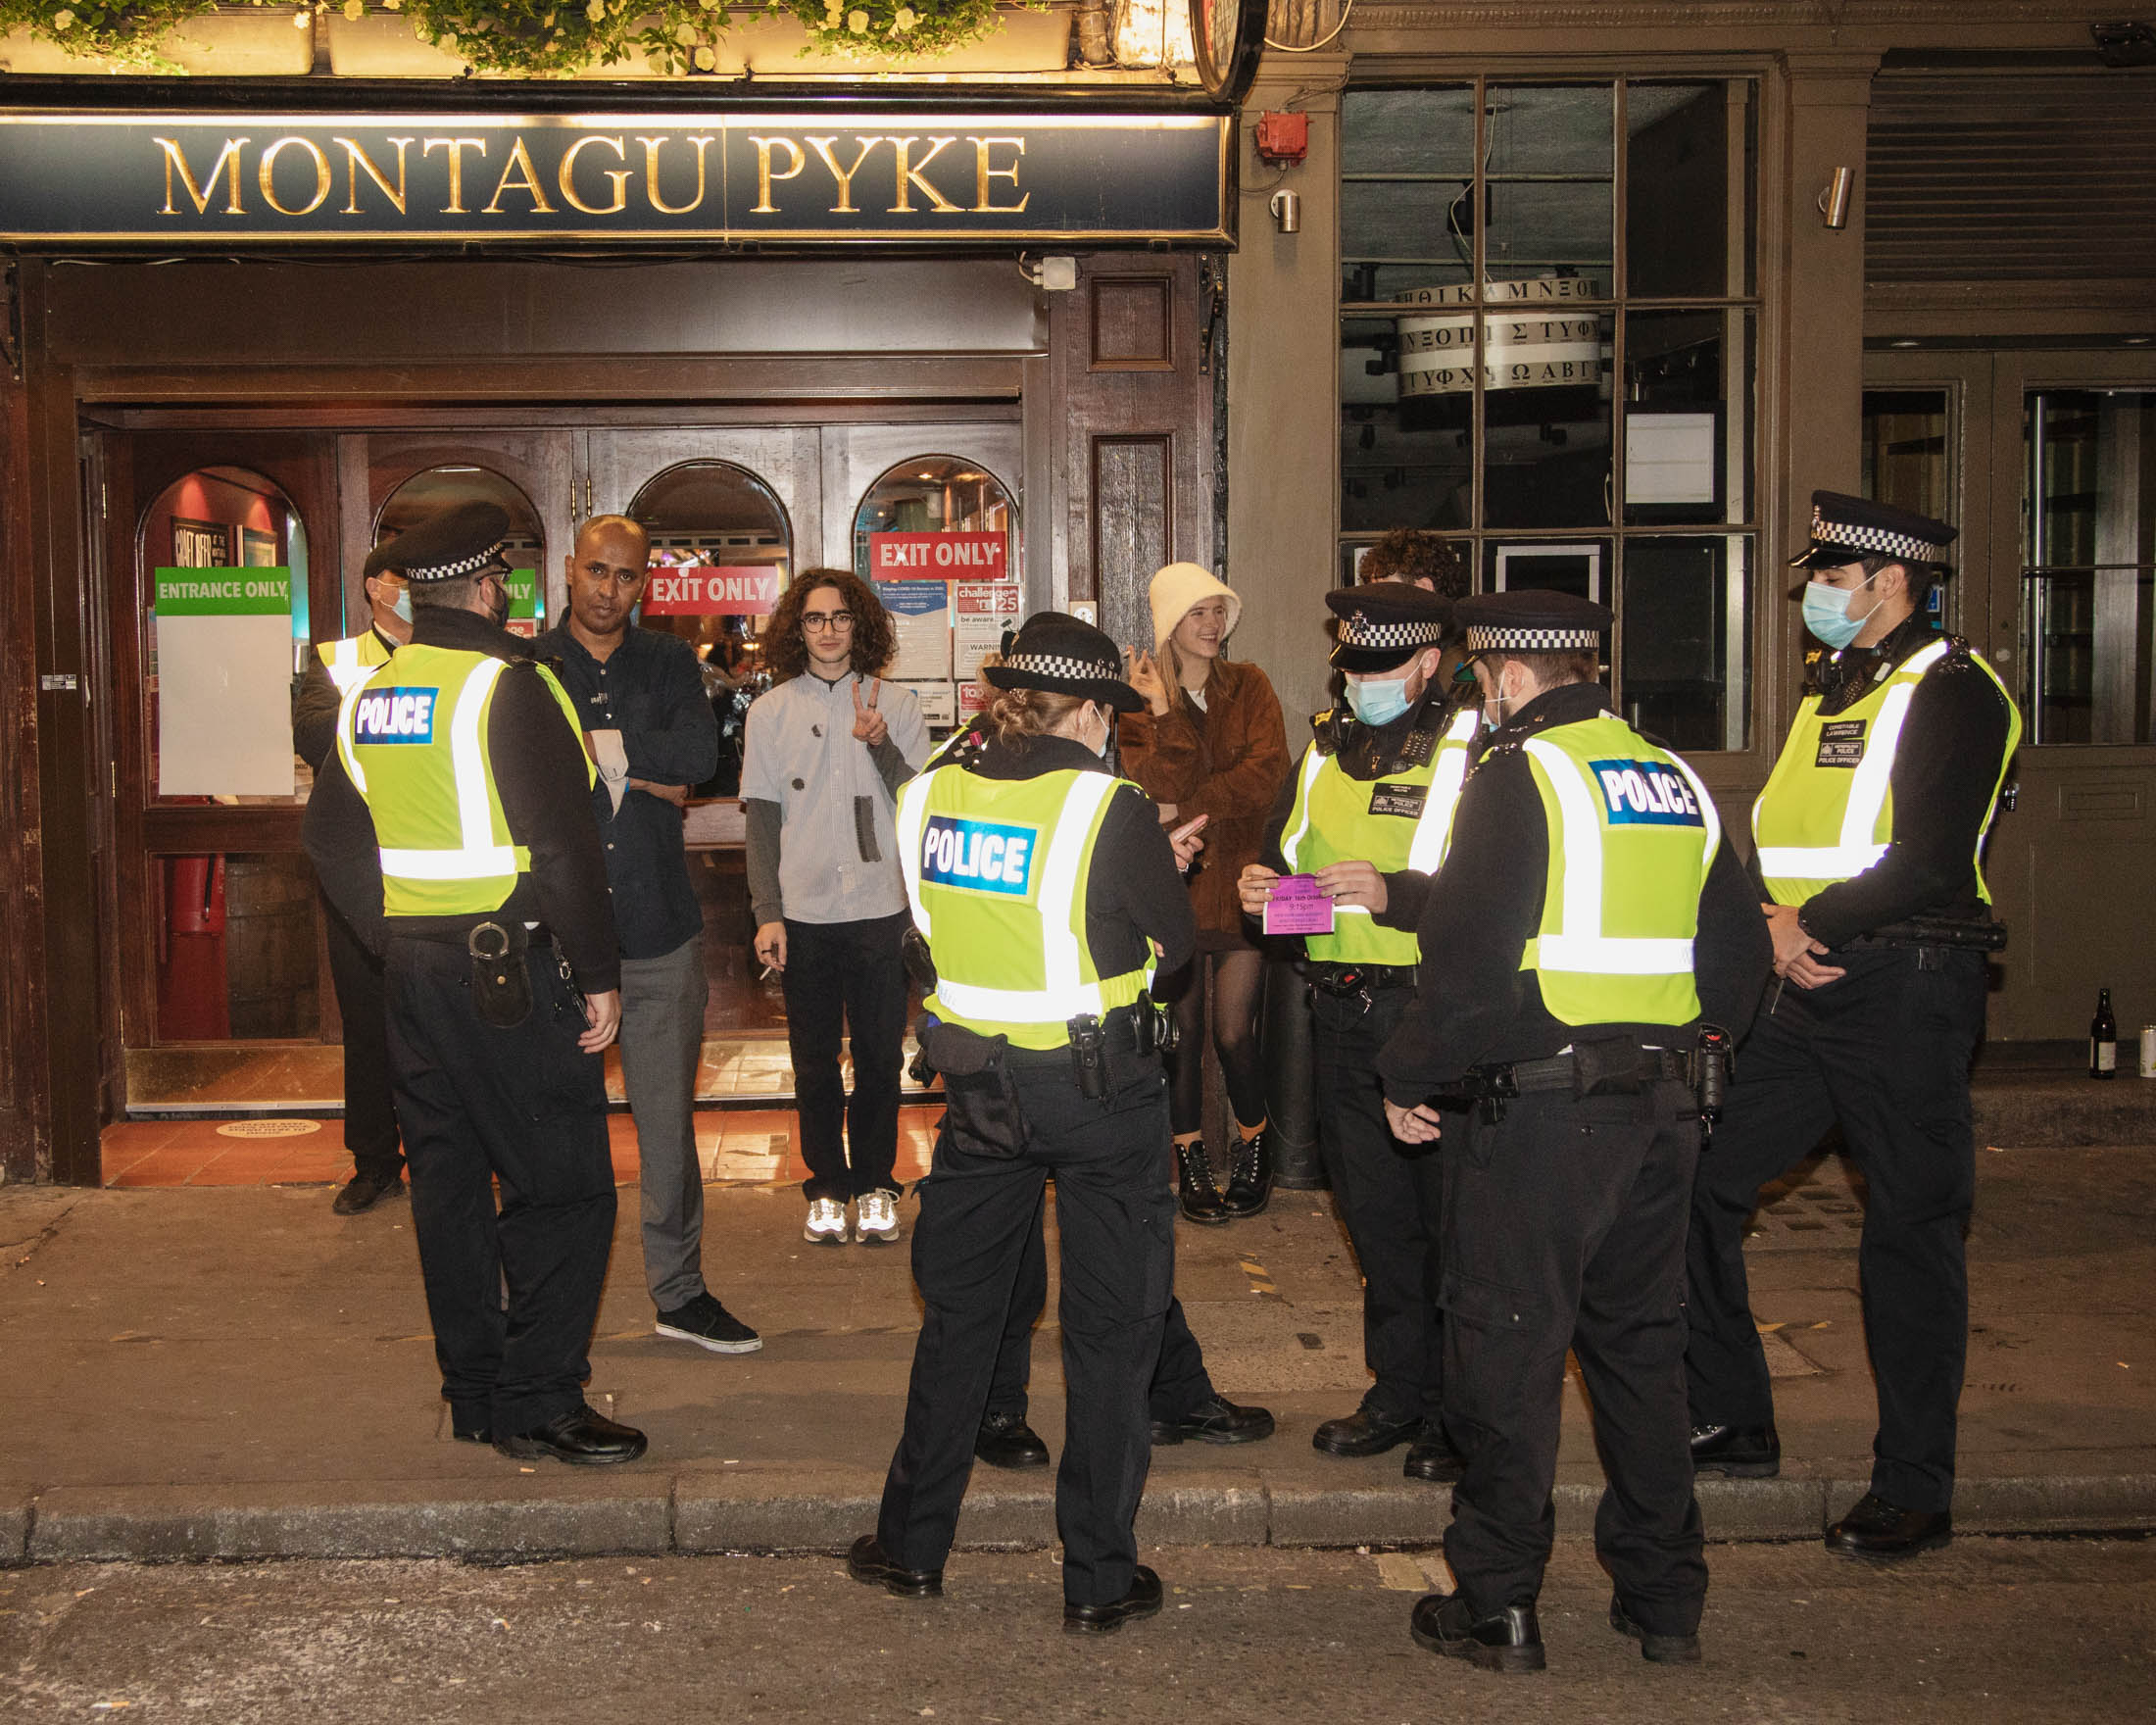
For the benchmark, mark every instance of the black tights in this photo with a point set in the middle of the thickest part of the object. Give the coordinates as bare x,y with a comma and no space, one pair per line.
1238,977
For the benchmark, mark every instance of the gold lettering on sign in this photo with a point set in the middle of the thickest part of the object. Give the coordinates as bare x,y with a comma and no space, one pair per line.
455,148
265,176
910,174
650,175
985,169
519,163
845,176
356,160
620,176
764,175
227,162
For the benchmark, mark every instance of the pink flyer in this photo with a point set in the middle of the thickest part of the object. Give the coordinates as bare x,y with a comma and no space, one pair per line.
1299,905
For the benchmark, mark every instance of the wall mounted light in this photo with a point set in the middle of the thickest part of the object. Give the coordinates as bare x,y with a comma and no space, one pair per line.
1287,209
1834,199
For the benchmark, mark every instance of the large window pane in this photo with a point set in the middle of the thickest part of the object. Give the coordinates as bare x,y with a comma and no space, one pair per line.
1684,673
1559,130
1546,421
1687,189
1405,460
1408,131
1687,433
1904,450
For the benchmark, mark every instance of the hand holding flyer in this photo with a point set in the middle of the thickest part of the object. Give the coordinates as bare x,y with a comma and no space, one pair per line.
1299,905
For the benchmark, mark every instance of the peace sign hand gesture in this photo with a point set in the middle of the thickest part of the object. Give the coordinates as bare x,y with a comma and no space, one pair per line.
869,725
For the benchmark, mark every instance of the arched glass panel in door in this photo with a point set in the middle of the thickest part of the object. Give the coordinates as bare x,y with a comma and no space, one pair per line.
431,492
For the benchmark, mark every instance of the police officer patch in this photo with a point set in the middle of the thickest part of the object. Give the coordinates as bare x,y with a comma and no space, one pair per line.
986,856
1404,800
1647,793
395,715
1841,742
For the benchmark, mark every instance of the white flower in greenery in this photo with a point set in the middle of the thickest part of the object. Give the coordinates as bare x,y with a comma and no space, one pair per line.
447,41
905,20
393,5
857,21
355,8
61,18
708,5
706,60
684,33
596,11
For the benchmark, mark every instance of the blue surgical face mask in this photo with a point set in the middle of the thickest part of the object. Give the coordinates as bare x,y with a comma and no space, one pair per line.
402,603
1826,612
1378,702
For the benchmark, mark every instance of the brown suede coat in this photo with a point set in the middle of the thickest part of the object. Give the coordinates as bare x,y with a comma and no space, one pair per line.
1227,763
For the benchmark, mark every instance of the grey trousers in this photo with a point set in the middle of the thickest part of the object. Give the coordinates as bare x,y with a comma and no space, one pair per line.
662,1038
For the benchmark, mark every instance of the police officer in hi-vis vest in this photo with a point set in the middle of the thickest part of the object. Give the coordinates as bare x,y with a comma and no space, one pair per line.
1365,811
1047,892
453,826
1866,849
1589,921
355,973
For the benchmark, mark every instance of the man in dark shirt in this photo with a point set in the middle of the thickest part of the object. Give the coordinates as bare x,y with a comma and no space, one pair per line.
466,854
1588,917
1874,816
652,733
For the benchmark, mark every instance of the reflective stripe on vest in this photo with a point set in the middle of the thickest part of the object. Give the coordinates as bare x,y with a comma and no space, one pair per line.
1625,851
1010,930
1805,801
1434,831
352,661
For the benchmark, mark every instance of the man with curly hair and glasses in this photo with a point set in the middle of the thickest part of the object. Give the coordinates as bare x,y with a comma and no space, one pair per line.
822,759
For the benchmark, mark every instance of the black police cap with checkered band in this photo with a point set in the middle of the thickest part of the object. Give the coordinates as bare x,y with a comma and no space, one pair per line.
1530,620
1383,625
1065,655
462,540
1846,528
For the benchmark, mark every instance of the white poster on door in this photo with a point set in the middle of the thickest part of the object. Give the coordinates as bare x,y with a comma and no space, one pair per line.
981,611
224,683
920,620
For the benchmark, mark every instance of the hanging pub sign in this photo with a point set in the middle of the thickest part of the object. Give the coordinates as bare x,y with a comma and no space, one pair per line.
188,179
1536,335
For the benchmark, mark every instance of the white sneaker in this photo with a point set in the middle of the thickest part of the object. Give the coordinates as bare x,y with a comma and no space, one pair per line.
826,1222
879,1220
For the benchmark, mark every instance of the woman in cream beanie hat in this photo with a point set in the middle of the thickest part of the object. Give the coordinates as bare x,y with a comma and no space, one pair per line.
1210,741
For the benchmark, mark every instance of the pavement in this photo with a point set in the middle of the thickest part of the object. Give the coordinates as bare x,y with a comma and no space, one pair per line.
230,1373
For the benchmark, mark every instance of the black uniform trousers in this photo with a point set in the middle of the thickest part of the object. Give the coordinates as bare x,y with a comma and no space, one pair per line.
1885,1053
1180,1382
370,1109
1114,1210
528,1107
849,973
1390,1197
1564,1227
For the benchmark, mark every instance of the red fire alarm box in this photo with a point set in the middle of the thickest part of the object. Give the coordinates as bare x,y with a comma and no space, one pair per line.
1283,137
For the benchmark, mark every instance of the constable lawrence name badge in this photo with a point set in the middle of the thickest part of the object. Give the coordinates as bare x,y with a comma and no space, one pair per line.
983,854
395,715
1841,742
1647,793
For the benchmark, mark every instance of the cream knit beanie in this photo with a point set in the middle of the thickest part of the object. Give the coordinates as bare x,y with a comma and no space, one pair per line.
1178,587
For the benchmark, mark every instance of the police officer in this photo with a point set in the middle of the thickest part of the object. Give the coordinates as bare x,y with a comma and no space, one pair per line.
1867,843
355,973
454,827
1365,811
1047,891
1585,920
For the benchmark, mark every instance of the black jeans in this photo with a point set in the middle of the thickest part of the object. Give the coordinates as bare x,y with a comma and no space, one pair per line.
1391,1199
527,1108
1883,1053
848,973
1564,1227
370,1108
1115,1213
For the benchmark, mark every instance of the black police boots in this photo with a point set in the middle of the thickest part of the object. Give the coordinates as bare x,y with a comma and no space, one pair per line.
1250,1174
1510,1641
1201,1200
1741,1451
1883,1532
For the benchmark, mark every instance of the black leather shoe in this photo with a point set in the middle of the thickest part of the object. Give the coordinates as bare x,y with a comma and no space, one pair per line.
582,1435
1431,1456
1142,1600
1659,1649
1882,1532
1251,1175
363,1191
1215,1421
1364,1433
1741,1451
1509,1641
1004,1440
865,1563
1201,1200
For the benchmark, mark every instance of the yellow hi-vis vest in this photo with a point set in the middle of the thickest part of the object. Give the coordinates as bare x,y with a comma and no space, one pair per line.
352,660
1632,835
1396,822
413,738
1826,813
997,871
